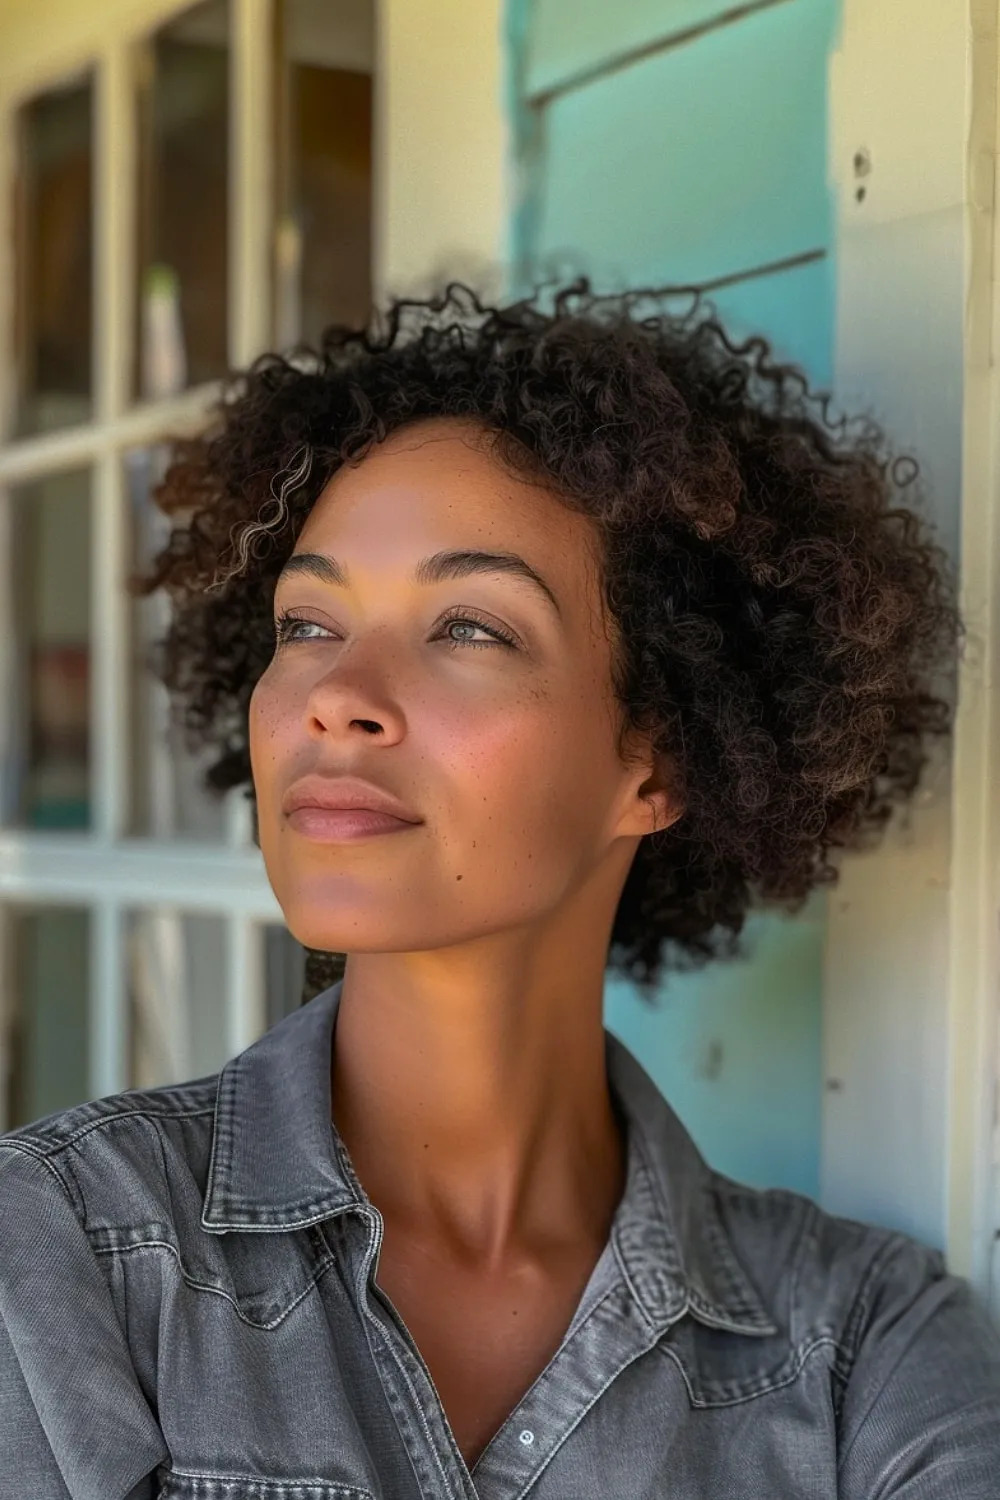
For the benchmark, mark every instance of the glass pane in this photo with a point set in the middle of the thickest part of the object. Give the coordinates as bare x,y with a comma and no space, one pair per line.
169,797
177,996
183,185
324,113
284,972
48,780
48,1028
53,229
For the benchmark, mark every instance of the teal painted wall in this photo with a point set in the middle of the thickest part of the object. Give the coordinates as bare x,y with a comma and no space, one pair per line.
665,142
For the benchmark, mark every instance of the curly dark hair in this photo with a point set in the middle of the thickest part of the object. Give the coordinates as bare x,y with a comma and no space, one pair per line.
780,618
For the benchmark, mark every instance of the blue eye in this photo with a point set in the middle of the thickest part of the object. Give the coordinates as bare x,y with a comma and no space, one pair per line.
289,628
466,622
285,624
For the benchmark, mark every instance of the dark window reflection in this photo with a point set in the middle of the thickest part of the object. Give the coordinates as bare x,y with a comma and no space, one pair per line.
48,1027
183,190
50,711
169,795
324,113
53,239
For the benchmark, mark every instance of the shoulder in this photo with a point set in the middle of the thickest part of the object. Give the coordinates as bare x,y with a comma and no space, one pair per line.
75,1410
912,1350
824,1275
118,1159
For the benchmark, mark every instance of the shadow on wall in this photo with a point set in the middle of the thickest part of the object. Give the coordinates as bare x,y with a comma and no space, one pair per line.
753,1111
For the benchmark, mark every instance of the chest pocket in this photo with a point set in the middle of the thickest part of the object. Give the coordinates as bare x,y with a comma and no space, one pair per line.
177,1485
262,1276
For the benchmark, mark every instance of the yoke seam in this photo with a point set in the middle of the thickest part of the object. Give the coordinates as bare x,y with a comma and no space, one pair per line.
41,1156
37,1148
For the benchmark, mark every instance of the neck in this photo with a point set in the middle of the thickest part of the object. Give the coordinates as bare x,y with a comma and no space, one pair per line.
471,1093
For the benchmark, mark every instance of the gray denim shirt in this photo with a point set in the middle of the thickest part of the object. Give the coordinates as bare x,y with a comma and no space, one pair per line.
188,1309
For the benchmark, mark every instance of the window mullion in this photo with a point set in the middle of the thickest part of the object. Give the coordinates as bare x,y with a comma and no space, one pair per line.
250,218
13,746
68,869
245,999
114,228
73,447
109,1031
8,1012
251,179
8,176
114,300
110,635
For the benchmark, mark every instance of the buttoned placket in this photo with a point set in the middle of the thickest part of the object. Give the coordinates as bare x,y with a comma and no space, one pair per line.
617,1330
610,1336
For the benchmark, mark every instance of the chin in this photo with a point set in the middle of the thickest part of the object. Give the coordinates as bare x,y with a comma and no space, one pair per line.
342,922
351,924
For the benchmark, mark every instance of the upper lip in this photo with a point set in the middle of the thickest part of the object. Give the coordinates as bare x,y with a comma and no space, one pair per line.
344,793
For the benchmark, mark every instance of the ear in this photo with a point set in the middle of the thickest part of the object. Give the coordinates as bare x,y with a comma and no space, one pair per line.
654,798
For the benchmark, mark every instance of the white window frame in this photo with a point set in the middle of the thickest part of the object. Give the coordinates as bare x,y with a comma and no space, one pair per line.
973,1206
103,870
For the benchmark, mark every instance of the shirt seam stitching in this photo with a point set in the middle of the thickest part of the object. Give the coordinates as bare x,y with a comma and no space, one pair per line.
765,1389
204,1286
894,1247
28,1149
326,1485
45,1150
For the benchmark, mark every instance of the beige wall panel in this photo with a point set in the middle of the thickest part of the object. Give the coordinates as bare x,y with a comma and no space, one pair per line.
39,41
441,143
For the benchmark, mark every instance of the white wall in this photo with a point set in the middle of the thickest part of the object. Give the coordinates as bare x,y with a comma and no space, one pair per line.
906,1033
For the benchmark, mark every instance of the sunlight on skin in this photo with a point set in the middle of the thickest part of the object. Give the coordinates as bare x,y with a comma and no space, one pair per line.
469,1068
506,752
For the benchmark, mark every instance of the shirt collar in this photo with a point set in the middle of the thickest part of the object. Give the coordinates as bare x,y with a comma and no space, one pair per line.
277,1163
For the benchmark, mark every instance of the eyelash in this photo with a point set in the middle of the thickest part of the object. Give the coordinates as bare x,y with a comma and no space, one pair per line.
285,620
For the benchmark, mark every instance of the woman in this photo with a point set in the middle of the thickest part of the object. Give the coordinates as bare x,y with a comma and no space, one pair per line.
548,639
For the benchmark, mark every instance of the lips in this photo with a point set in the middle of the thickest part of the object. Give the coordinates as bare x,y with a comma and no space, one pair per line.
339,809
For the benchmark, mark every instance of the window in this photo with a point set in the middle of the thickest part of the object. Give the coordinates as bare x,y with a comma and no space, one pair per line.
196,189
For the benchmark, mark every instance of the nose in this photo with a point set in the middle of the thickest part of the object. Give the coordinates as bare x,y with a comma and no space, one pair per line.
354,699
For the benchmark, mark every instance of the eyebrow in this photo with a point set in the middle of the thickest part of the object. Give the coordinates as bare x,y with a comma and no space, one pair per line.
435,569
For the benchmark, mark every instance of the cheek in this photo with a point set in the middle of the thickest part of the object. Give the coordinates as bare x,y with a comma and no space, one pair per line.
268,723
534,772
483,745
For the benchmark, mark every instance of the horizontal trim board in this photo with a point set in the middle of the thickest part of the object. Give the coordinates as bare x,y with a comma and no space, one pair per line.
787,263
711,191
569,60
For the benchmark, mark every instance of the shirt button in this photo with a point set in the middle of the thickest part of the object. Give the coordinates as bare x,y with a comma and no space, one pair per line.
527,1437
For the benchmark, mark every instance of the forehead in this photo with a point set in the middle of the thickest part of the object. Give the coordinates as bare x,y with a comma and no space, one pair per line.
436,483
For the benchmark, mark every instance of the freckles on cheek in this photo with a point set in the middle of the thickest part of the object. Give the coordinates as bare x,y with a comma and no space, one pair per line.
501,760
271,714
270,740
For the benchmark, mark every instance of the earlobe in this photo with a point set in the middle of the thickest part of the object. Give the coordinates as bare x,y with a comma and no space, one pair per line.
660,809
660,801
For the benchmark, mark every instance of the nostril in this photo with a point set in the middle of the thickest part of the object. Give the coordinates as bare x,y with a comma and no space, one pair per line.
368,724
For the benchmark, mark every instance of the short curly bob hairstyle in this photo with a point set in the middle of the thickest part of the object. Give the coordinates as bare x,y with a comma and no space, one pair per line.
779,618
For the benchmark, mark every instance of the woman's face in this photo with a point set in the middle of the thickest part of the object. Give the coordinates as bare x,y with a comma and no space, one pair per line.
474,693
